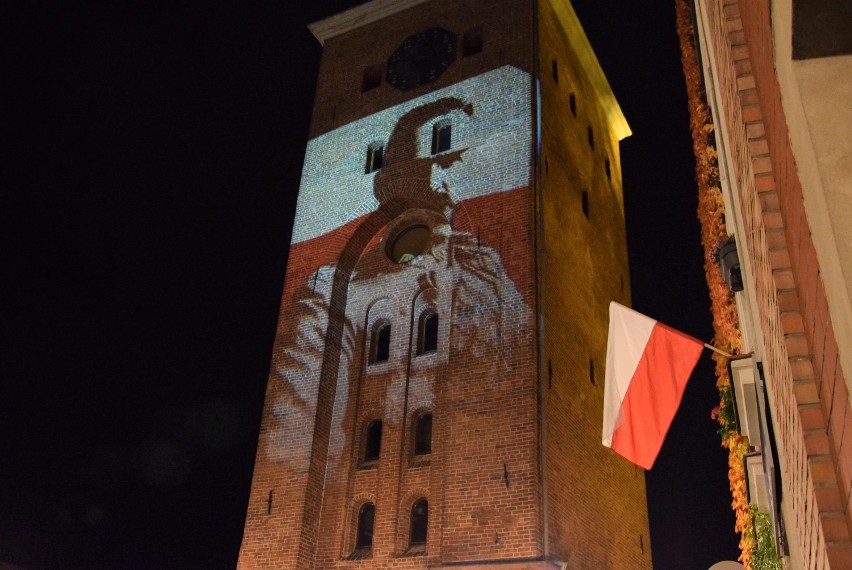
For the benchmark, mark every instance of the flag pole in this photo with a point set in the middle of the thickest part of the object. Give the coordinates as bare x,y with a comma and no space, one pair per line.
726,354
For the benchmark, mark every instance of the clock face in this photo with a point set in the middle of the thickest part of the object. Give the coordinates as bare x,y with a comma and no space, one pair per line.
421,58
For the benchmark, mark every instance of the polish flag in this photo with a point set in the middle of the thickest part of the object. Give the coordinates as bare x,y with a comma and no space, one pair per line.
647,367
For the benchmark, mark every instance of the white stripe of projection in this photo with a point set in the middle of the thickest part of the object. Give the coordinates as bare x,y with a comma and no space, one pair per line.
497,137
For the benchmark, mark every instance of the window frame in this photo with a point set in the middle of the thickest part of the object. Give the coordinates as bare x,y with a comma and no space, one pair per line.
368,454
422,538
417,432
379,349
375,157
360,534
442,137
426,331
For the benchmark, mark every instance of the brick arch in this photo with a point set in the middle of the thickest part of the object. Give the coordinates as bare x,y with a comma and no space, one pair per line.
375,311
361,498
424,407
416,190
369,413
423,299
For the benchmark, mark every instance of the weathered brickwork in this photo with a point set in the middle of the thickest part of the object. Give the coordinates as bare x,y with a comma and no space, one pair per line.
806,383
584,268
516,414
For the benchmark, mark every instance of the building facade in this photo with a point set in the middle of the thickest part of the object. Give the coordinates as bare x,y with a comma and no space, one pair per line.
436,387
778,77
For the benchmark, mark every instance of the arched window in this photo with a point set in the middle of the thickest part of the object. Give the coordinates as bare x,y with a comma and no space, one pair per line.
427,332
419,522
373,441
364,533
441,137
380,342
423,434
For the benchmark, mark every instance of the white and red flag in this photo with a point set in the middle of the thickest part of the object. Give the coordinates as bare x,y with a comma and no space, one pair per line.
647,367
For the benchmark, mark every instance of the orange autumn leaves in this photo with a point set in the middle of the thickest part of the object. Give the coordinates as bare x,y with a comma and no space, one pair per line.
711,214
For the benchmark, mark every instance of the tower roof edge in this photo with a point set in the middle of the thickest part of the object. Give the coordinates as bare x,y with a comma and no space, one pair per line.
358,16
580,45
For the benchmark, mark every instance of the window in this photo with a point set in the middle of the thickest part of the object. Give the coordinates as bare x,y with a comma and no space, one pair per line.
607,170
472,42
372,78
585,203
373,443
375,153
423,434
364,533
554,70
380,342
572,103
419,522
427,333
409,243
591,136
441,137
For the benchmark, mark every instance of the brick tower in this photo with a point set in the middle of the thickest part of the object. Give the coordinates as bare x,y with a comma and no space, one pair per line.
435,393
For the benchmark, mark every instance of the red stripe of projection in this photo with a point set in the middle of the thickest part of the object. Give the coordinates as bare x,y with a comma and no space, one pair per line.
501,220
654,394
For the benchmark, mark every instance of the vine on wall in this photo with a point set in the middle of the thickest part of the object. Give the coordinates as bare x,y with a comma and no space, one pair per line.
711,214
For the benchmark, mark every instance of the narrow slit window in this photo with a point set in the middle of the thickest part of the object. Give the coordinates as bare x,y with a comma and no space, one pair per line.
441,137
373,443
366,521
371,78
572,103
591,136
608,169
423,435
472,42
427,335
375,154
585,200
554,69
419,522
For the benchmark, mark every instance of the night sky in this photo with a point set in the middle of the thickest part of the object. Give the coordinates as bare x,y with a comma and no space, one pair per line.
152,157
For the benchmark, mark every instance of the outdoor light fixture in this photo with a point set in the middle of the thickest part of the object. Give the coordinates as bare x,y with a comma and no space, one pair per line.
730,262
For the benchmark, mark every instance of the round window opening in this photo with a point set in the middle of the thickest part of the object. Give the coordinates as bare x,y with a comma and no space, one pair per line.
409,243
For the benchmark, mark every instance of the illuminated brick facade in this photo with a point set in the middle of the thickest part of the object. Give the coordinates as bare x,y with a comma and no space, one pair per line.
463,166
794,310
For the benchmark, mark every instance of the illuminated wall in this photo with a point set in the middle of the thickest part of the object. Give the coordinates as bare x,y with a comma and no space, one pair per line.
594,498
475,241
792,311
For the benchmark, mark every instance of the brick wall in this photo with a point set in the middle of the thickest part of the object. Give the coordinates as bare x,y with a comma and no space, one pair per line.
596,500
483,478
806,383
